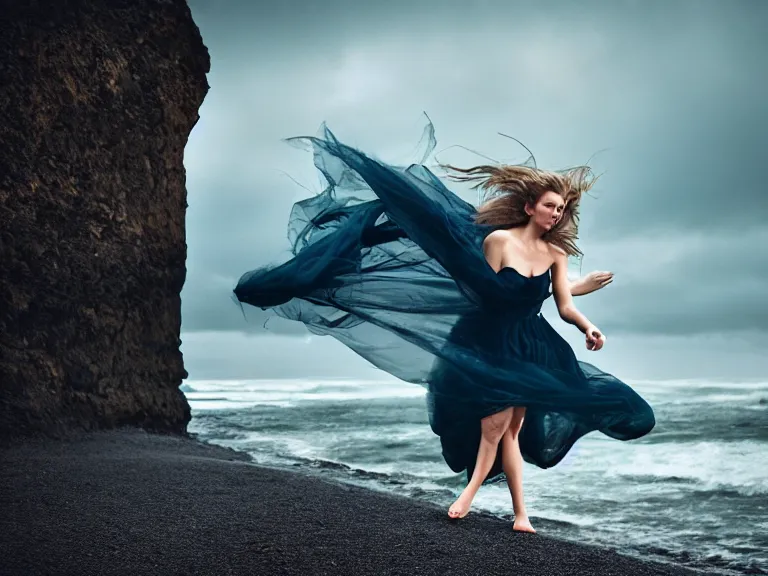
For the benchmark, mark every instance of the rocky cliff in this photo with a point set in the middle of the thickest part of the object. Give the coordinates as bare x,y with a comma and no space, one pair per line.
97,100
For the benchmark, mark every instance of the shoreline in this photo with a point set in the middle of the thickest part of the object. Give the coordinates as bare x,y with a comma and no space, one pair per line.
131,502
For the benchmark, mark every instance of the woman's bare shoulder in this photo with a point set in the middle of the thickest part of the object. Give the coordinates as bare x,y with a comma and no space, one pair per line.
556,252
497,238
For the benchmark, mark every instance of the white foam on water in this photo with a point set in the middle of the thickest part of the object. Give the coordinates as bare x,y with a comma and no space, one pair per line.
228,394
497,500
286,391
203,403
688,384
424,472
748,396
738,465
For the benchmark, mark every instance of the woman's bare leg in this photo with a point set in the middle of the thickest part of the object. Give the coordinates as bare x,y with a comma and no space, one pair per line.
512,462
492,430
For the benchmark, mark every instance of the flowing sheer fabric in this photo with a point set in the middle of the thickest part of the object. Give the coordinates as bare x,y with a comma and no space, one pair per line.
389,261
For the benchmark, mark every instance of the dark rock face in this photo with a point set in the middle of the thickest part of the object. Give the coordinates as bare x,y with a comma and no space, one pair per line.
97,100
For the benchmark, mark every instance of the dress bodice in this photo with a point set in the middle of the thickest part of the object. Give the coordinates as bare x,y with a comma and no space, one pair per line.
525,295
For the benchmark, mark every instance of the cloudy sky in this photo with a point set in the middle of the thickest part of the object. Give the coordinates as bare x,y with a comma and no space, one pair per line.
672,94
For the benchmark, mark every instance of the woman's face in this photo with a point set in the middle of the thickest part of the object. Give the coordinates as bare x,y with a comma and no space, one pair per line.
547,211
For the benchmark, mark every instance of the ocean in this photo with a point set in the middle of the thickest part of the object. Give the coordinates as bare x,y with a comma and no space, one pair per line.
694,492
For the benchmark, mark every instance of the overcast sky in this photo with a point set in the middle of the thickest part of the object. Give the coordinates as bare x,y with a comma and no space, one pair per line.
674,93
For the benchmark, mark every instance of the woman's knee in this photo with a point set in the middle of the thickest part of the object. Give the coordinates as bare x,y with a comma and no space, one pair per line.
493,427
515,423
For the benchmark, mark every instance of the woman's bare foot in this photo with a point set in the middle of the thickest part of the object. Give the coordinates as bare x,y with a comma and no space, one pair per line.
522,524
460,508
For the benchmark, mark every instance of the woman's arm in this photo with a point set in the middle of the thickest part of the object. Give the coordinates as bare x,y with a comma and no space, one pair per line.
590,283
564,301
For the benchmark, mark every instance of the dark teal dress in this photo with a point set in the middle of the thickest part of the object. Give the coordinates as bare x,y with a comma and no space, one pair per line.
389,261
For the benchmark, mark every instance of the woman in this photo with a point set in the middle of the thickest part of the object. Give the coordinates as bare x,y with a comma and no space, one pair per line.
437,292
538,214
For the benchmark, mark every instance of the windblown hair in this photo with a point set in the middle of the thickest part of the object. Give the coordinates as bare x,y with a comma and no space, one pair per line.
508,188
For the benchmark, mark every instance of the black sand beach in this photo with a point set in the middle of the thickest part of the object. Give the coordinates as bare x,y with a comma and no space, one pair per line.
129,502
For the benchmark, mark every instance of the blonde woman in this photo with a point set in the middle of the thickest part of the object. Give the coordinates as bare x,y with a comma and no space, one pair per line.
438,292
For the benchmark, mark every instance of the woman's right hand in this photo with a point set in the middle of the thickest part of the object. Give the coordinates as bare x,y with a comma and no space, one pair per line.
598,279
595,338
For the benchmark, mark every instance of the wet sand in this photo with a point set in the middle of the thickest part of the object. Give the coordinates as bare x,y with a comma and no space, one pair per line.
133,503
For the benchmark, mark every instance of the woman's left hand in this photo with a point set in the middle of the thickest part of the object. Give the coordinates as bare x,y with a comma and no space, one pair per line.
595,338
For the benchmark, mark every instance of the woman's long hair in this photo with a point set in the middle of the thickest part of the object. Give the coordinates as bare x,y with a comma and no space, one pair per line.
508,188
